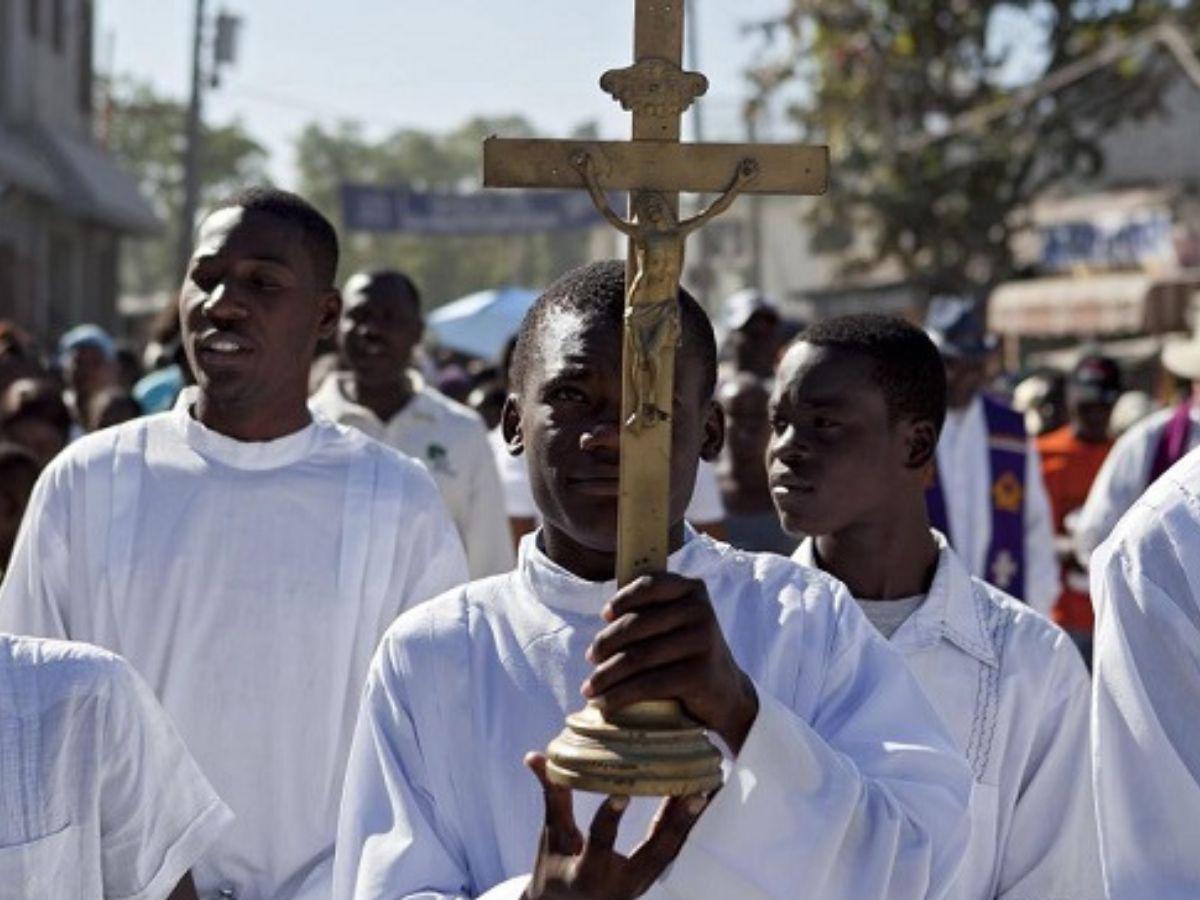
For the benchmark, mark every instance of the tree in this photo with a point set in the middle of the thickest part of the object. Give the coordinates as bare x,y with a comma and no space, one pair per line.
445,267
146,135
896,87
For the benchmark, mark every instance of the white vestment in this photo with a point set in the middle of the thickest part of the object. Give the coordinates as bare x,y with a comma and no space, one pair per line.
1146,692
451,440
965,469
1124,477
847,787
248,583
98,797
1014,692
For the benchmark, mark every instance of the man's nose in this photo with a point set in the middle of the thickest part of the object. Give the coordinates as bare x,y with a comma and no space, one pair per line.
223,303
604,434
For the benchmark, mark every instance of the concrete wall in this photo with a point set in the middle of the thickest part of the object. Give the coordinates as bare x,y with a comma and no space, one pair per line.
43,78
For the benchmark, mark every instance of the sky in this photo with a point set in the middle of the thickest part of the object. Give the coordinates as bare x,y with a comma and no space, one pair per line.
416,63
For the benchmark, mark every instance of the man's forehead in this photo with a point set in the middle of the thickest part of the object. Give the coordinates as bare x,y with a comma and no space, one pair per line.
240,232
826,370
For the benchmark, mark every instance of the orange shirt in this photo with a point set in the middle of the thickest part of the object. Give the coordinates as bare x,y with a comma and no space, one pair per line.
1069,466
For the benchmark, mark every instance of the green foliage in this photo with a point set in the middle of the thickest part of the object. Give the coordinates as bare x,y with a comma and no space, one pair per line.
443,267
881,77
147,136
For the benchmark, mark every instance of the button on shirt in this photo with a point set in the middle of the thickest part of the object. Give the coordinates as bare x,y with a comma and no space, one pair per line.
965,469
452,442
1013,691
98,797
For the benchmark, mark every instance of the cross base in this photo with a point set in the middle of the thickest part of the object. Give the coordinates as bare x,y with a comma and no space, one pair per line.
660,754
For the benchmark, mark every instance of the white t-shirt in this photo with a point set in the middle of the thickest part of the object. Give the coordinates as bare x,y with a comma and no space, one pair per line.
847,781
98,797
248,583
1146,692
451,441
1014,692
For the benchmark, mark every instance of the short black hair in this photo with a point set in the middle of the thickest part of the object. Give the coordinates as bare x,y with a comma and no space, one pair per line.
395,279
907,366
597,292
319,235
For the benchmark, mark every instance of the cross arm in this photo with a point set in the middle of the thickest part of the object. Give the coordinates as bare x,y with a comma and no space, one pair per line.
655,166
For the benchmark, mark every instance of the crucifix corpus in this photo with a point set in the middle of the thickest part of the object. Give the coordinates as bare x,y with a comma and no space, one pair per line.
649,748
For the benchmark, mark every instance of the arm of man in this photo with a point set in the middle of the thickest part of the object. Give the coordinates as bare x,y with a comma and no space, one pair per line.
488,537
430,552
1042,583
1145,734
1053,846
35,595
868,801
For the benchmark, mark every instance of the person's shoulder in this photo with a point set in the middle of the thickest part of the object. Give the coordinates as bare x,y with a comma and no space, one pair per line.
1164,523
1143,433
93,454
451,415
345,445
1058,442
780,579
64,670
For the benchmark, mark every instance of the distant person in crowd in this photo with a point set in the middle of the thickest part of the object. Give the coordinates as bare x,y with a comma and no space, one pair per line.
99,794
987,495
18,356
1042,400
128,366
1144,452
487,400
18,471
88,357
1131,408
381,394
855,413
753,333
244,557
750,517
1146,691
111,406
840,775
34,415
1071,457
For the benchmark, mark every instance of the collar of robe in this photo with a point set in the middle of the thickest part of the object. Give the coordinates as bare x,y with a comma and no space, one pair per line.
247,455
553,586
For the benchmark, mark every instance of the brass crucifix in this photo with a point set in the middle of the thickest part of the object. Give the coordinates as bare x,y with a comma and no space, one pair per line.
650,748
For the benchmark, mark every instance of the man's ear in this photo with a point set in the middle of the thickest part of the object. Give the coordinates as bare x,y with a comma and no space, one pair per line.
330,311
510,425
920,444
714,432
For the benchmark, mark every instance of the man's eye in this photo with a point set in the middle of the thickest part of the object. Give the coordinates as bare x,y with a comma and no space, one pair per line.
260,283
566,394
824,422
779,424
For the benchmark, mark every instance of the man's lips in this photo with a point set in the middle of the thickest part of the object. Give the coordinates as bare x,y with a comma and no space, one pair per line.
221,348
785,485
600,485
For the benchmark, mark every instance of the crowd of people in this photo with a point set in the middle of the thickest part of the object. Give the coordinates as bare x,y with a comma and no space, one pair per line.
292,601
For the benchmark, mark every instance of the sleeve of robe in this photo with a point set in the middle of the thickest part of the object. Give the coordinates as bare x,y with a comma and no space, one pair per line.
868,802
1119,483
35,595
1052,849
1146,693
487,536
1042,584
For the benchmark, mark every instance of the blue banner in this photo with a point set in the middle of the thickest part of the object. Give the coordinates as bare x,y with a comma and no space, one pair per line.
389,210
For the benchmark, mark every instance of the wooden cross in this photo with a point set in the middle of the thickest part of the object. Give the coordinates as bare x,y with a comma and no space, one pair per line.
654,167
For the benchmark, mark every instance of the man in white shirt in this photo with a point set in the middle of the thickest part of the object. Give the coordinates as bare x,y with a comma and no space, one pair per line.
381,394
1146,693
243,557
1143,453
840,782
855,413
987,494
98,797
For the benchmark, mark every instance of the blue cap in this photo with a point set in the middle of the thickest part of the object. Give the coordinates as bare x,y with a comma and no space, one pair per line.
86,336
956,326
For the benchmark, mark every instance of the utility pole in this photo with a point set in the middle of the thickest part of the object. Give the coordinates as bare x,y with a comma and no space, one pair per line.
755,205
191,158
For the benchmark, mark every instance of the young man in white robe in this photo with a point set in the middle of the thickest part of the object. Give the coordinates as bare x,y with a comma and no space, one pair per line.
1146,692
841,781
98,796
382,394
242,556
855,415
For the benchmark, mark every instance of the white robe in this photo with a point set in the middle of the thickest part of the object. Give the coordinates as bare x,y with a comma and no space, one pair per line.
249,584
98,797
1146,692
847,785
451,440
1014,692
1124,477
965,469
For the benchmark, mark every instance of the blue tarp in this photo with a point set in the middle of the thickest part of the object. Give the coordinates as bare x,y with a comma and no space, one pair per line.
482,323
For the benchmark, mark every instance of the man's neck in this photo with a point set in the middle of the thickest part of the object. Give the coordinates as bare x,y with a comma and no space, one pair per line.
251,426
588,563
385,398
889,558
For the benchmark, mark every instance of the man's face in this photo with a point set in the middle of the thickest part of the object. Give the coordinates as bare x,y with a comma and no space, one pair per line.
747,423
380,326
965,376
88,370
251,309
756,344
567,422
1090,418
833,454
